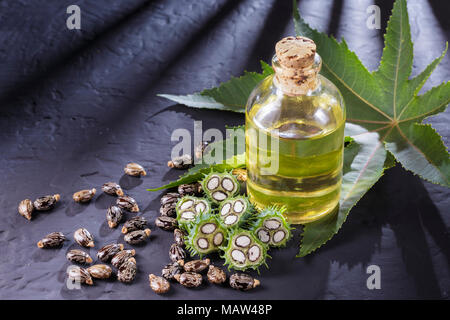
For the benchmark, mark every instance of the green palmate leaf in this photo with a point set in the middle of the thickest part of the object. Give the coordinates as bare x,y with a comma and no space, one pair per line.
363,166
231,95
386,100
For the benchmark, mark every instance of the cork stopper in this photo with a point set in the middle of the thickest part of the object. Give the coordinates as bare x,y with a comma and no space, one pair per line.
295,66
295,52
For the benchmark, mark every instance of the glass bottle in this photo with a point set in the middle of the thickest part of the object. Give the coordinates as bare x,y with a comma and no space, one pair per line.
295,135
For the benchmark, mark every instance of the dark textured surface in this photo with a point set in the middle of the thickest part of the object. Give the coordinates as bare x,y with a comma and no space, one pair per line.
76,106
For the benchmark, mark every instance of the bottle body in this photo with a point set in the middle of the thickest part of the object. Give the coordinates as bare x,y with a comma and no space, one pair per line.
294,149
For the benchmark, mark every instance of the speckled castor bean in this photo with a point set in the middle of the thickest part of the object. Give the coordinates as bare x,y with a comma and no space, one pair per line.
178,236
134,170
181,162
240,174
166,223
189,279
136,223
176,253
83,238
127,271
80,275
200,149
137,237
107,252
114,215
216,275
158,284
78,256
112,189
196,265
189,189
172,269
100,271
84,196
121,257
52,240
242,281
127,203
168,210
46,203
26,208
171,197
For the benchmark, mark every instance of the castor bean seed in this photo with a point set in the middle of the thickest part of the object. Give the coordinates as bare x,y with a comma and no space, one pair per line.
100,271
158,284
171,197
136,223
189,279
189,189
114,215
196,265
46,203
240,174
134,170
176,252
181,162
52,240
84,196
172,269
26,208
200,149
127,203
138,236
110,250
178,236
242,281
127,271
112,188
78,256
122,256
216,275
83,238
79,275
166,223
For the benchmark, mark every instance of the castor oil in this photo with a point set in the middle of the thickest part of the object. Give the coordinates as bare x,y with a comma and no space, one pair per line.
295,135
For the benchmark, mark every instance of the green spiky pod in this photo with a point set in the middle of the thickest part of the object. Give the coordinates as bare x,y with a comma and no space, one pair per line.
244,251
220,186
205,235
189,207
235,212
271,227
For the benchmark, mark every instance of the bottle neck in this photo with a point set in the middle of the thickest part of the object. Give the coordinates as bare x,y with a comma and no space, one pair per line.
297,81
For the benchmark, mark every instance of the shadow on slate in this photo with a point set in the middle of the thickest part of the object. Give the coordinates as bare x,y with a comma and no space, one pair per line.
335,18
275,23
385,13
119,114
406,214
441,10
405,218
64,60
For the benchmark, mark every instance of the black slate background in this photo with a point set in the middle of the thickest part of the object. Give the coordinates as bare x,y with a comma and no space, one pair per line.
76,106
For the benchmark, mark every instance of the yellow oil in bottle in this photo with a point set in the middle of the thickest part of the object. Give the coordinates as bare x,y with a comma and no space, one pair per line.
294,148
